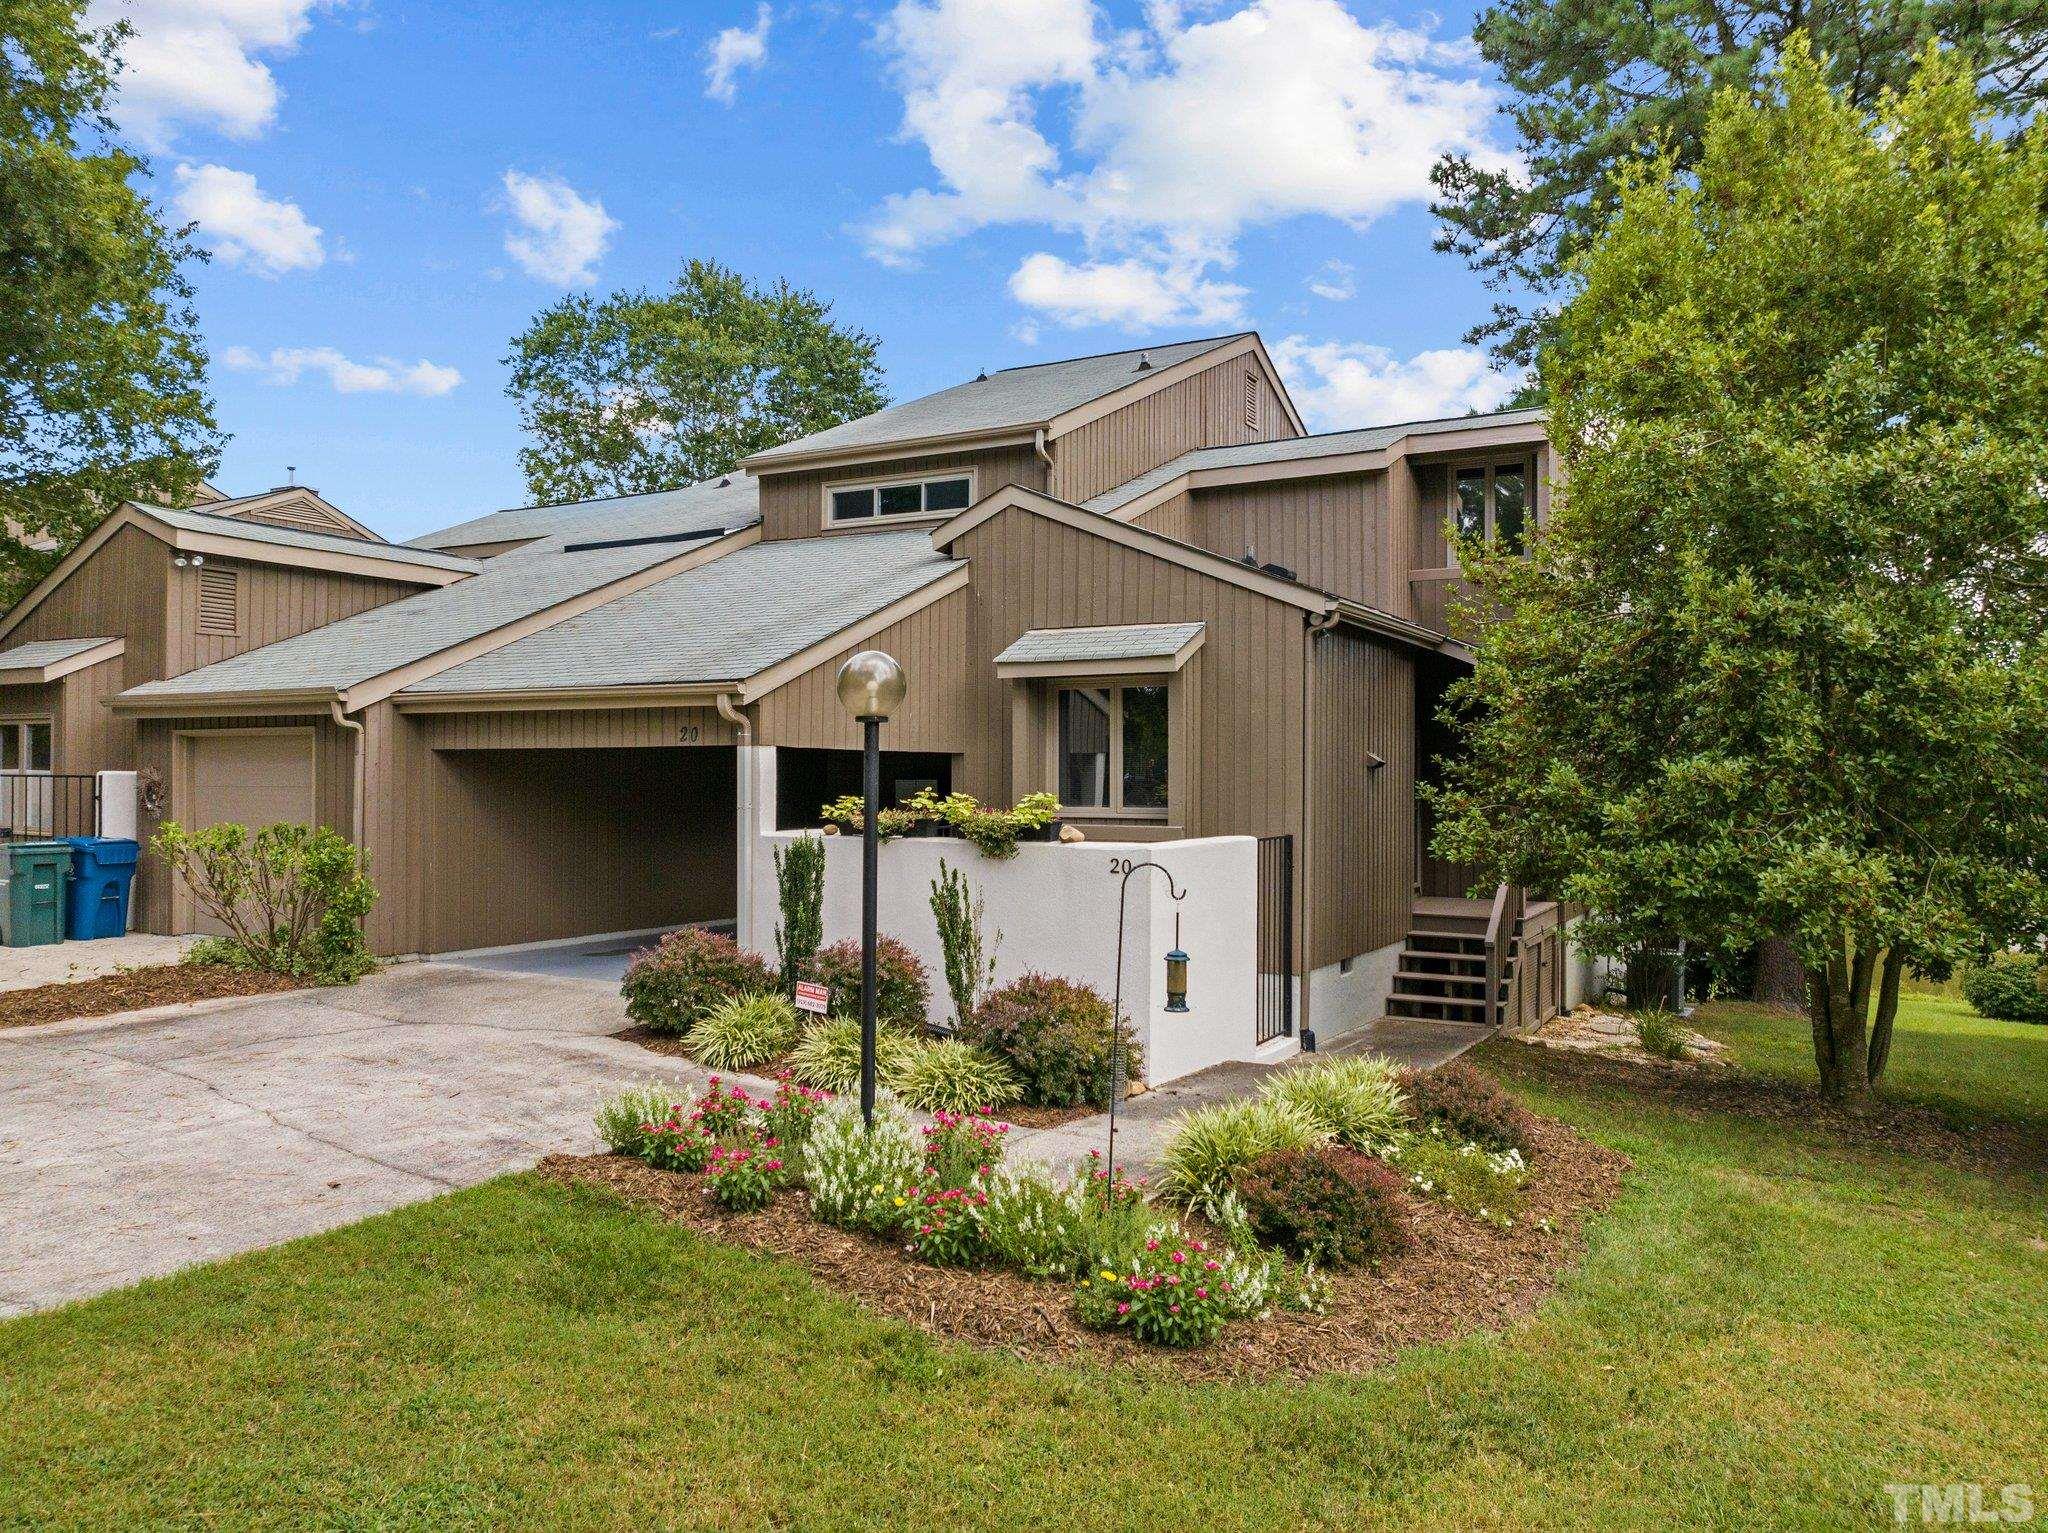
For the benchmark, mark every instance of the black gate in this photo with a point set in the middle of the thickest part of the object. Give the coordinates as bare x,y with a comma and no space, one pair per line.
39,806
1276,938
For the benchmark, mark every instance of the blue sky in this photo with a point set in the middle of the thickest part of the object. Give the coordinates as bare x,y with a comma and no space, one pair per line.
392,189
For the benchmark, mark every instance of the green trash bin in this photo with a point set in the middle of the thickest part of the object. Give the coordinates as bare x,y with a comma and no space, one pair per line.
32,909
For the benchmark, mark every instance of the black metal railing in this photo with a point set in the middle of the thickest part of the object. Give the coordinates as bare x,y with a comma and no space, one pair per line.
37,806
1276,938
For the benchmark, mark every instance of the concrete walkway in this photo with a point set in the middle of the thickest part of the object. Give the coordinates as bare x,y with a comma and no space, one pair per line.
23,968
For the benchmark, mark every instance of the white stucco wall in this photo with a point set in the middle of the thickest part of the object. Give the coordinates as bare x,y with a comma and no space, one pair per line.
1056,907
1339,1002
117,804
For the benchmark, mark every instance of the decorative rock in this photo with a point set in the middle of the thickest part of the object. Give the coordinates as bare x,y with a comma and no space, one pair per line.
1071,834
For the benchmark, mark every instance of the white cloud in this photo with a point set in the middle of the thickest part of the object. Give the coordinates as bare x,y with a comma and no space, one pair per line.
196,62
1131,294
1335,280
1342,383
1182,135
732,50
561,234
241,225
386,375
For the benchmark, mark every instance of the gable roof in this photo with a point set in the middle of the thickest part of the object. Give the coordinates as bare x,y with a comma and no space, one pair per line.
1313,453
727,501
1154,646
48,659
722,622
1016,401
291,505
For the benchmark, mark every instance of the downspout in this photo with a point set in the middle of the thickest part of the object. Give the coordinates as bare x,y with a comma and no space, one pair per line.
1038,446
360,774
743,792
1318,625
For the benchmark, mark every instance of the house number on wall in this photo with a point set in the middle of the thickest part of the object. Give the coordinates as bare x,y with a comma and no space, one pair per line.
690,734
1119,866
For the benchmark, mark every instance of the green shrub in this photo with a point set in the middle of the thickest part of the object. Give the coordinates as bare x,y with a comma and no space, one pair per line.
903,991
1357,1099
292,897
1055,1036
1487,1184
960,1149
2011,987
1207,1148
1661,1034
993,832
800,890
970,953
743,1178
1035,1222
742,1032
953,1077
1327,1203
859,1177
1467,1105
687,973
828,1056
623,1121
1176,1293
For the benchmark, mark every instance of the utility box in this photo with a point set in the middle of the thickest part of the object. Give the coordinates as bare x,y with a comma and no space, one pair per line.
32,908
102,868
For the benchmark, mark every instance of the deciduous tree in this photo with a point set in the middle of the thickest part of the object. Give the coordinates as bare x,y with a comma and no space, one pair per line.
1778,665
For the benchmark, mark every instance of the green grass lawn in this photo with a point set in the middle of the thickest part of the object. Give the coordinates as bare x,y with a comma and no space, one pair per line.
1765,1331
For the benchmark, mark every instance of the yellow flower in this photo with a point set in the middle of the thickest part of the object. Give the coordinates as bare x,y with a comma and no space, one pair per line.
899,1202
878,1187
1084,1282
1109,1277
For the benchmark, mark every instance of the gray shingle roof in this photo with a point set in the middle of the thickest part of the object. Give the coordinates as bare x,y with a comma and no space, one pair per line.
1014,398
1128,641
723,621
1294,449
368,644
707,503
291,537
45,652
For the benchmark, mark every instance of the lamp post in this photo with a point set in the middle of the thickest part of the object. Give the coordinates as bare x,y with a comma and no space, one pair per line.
871,687
1176,993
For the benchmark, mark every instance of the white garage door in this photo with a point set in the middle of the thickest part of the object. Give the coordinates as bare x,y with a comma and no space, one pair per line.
247,777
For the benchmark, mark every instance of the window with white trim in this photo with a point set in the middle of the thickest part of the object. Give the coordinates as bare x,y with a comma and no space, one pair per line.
940,495
25,745
1113,748
1492,503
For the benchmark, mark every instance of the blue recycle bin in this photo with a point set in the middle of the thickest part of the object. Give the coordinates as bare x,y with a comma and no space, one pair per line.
102,871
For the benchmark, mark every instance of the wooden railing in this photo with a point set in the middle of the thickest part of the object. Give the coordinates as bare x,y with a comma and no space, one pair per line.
1502,926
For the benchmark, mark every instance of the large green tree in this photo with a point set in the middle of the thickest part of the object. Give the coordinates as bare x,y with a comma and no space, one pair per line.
102,375
1778,664
1596,84
648,390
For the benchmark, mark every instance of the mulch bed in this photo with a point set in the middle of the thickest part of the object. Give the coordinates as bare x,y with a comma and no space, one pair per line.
1461,1275
164,984
1889,1128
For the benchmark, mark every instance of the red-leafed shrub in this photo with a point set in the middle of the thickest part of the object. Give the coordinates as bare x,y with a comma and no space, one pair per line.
1326,1203
671,984
903,991
1055,1035
1468,1105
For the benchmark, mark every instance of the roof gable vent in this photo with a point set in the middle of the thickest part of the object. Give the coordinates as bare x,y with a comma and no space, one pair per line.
220,601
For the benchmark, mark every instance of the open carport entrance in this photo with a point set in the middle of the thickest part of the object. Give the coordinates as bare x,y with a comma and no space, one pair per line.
541,845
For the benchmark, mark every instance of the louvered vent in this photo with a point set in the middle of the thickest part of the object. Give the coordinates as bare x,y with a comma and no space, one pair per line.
220,601
1251,401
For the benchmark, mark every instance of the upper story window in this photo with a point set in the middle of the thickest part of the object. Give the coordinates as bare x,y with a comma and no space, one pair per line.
1493,503
882,499
1112,748
25,745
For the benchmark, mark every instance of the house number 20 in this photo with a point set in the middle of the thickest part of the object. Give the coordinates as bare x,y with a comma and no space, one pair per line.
690,734
1119,866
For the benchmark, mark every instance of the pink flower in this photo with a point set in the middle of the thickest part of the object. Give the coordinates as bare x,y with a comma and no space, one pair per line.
1123,1308
1173,1309
1180,1256
1201,1293
1151,1245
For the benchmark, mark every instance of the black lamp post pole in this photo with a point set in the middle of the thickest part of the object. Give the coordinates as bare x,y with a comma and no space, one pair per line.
1116,1007
870,886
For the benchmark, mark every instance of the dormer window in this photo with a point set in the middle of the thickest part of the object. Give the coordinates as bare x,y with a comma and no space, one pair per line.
1492,503
881,500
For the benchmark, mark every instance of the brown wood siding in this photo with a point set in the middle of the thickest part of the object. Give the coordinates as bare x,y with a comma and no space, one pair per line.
118,593
792,504
574,729
1362,823
1330,532
1171,518
334,789
90,737
932,644
1204,410
277,602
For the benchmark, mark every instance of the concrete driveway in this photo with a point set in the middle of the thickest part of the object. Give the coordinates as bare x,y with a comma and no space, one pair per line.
133,1148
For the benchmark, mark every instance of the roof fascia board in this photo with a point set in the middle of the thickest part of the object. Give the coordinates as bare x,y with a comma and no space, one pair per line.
551,699
375,689
208,705
783,671
1229,571
1454,441
246,504
1144,665
226,545
33,675
1385,624
126,515
886,452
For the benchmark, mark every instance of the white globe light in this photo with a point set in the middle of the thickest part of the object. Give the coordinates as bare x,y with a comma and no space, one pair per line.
871,685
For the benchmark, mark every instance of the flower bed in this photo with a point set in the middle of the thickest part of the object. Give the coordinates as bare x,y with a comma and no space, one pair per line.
934,1227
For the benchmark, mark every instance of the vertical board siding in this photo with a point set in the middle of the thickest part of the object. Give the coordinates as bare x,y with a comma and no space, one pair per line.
1363,821
1204,410
932,644
574,729
276,602
793,505
118,593
1330,532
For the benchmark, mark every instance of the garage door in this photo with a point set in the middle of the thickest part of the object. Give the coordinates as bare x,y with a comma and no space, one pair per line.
247,777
